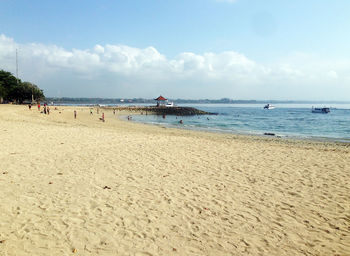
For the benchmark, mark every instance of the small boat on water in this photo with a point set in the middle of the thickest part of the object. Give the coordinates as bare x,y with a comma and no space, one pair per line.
269,106
323,110
170,104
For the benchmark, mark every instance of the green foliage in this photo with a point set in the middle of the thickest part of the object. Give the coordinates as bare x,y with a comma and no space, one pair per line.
18,91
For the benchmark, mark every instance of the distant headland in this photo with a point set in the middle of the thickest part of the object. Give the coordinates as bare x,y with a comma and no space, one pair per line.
117,101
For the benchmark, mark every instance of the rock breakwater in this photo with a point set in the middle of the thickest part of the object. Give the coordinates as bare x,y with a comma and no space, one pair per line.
153,110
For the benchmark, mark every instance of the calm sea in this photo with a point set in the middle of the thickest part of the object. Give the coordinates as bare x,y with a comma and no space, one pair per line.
286,120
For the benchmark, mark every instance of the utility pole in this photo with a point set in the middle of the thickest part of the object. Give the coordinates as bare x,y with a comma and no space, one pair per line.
17,65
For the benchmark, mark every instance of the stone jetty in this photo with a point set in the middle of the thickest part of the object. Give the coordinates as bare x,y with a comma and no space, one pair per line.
162,110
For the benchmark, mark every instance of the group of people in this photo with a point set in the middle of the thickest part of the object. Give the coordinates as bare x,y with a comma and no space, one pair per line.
102,118
46,109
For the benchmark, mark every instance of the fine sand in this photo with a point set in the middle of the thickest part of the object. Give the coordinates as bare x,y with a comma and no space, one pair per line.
85,187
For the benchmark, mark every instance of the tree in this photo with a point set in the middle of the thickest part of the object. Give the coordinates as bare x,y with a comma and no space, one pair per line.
12,89
33,90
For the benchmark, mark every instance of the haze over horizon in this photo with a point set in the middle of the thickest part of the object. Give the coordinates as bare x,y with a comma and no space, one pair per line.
243,49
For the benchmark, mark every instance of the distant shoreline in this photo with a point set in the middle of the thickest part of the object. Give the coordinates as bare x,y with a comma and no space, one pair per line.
65,100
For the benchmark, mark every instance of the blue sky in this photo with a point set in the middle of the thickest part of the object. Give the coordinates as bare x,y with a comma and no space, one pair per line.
278,49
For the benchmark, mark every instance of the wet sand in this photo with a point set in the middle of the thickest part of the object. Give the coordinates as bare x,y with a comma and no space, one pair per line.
85,187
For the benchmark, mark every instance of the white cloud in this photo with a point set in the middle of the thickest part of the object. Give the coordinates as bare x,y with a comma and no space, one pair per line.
123,71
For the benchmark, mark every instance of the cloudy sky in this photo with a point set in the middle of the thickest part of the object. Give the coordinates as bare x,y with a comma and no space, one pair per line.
240,49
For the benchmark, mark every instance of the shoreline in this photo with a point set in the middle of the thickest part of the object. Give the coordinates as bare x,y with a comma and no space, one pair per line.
86,187
135,110
344,141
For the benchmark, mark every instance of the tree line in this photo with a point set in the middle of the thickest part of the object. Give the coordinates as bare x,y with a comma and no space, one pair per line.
14,90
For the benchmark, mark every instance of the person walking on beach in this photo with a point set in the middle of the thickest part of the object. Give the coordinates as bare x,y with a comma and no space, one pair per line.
48,110
75,114
103,117
39,106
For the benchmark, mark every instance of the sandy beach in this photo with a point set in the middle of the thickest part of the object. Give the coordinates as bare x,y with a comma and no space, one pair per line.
85,187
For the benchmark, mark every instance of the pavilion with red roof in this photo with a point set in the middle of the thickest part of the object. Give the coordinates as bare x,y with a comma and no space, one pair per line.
160,100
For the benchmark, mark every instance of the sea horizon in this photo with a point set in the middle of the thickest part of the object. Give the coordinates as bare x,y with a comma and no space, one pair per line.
97,100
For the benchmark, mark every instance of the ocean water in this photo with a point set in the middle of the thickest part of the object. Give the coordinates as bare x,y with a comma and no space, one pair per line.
286,120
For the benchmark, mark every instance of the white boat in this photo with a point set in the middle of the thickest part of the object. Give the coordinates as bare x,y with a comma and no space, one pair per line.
323,110
269,106
170,104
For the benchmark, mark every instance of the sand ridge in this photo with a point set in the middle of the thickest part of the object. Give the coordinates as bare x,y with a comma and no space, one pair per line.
84,187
